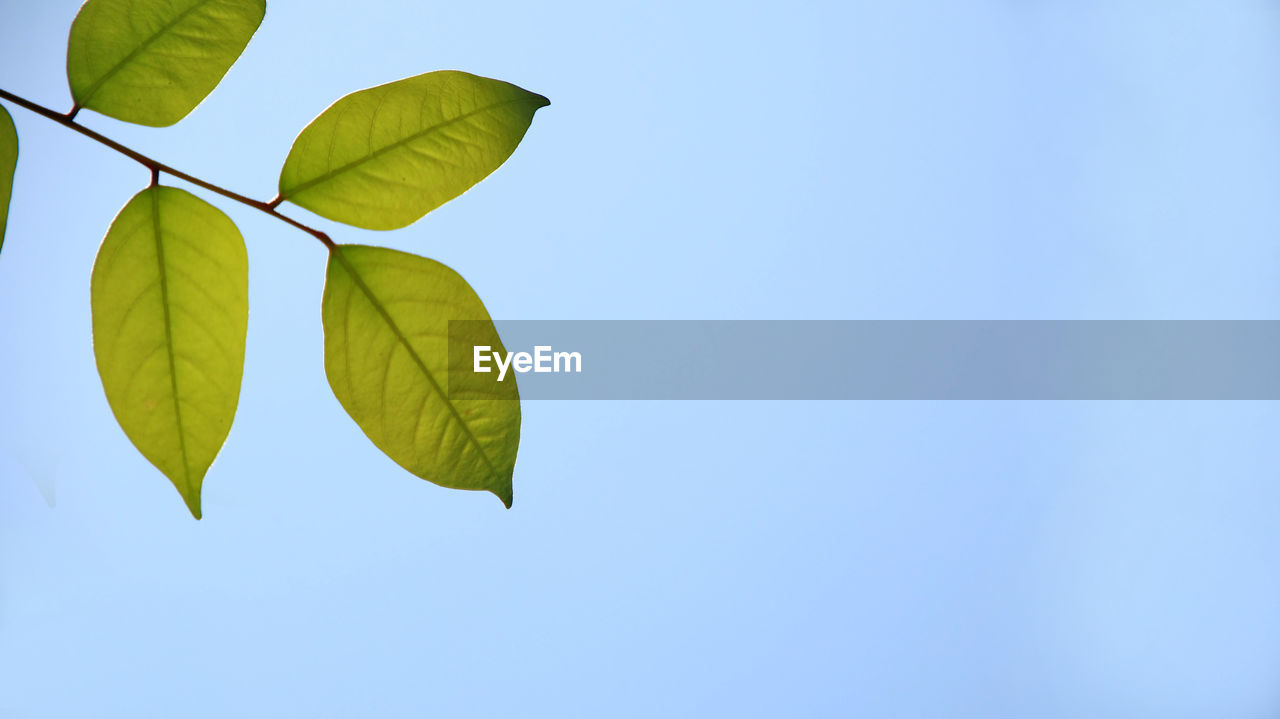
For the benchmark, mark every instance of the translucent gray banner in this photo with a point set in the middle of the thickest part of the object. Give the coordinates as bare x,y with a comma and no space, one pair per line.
843,360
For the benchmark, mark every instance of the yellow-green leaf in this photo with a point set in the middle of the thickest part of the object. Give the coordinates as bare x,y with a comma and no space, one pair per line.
386,335
382,158
8,161
152,61
170,297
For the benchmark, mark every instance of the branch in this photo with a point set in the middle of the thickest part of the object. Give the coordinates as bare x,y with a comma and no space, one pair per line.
157,167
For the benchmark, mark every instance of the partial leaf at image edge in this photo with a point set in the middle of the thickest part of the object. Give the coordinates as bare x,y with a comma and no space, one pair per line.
170,306
151,62
8,163
383,157
386,333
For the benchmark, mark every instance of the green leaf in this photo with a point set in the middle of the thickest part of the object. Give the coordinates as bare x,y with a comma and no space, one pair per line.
170,310
382,158
386,335
8,162
152,61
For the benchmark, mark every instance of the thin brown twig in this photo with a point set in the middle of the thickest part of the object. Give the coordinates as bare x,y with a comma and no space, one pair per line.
157,167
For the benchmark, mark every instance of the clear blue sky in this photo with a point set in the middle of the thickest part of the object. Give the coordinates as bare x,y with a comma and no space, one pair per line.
996,159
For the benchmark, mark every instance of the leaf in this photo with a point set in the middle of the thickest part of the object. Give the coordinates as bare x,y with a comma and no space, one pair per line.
386,335
8,162
170,311
152,61
382,158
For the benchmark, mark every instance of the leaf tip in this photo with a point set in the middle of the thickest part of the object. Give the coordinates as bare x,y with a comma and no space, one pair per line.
503,493
191,491
193,504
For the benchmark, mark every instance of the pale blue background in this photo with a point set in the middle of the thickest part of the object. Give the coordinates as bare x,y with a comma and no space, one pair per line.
999,159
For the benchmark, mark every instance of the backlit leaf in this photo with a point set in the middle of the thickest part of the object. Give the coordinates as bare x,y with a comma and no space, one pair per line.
382,158
152,61
8,161
386,324
170,310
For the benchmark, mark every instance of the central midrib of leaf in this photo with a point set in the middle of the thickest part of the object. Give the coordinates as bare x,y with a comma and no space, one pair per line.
168,332
302,187
97,85
386,317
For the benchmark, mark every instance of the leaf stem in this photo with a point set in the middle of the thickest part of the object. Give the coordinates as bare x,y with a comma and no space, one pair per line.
157,167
